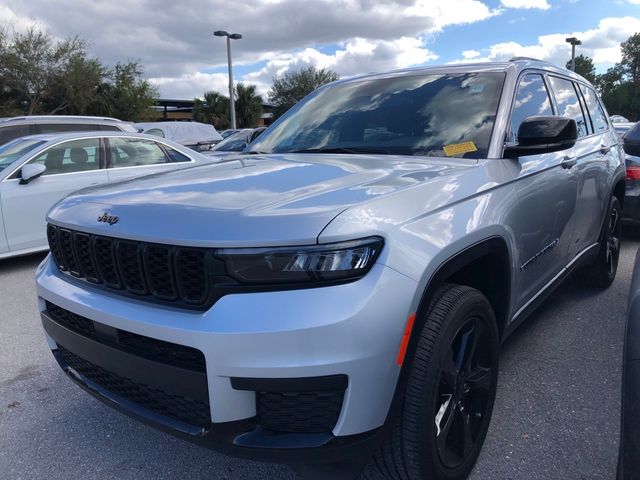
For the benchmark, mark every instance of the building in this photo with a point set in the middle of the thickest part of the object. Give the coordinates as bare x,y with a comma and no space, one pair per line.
172,110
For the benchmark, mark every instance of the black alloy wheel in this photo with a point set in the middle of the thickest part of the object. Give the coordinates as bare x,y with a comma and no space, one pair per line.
465,390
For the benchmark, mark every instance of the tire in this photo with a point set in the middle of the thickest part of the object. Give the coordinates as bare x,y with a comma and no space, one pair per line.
602,272
451,384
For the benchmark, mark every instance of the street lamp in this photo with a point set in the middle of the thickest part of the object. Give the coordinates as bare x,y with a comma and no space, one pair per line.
573,41
232,103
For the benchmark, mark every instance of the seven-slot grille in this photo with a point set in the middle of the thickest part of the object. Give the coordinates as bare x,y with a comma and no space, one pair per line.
162,272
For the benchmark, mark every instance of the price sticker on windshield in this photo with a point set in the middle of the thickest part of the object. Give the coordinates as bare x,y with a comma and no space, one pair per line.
456,149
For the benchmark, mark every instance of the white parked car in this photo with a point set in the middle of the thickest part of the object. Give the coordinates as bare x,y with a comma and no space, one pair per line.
15,127
38,170
195,135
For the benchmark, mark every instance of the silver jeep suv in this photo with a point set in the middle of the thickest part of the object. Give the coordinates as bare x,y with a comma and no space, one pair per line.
343,288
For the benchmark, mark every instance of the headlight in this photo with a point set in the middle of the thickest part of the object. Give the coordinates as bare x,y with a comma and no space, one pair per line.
317,263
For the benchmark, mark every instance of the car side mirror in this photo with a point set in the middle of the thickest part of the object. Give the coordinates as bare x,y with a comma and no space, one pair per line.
30,172
543,134
631,141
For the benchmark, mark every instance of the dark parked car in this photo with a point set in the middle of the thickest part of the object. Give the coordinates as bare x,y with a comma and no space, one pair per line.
629,458
236,142
631,141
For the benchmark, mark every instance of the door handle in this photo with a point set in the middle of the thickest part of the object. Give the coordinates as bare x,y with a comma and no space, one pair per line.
604,149
568,162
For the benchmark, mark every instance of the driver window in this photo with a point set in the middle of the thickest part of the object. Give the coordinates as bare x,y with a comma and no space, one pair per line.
532,99
71,157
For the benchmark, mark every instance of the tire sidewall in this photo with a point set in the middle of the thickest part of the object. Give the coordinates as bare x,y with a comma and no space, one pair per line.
429,380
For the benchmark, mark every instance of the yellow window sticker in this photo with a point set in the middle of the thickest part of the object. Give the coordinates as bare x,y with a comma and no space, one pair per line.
456,149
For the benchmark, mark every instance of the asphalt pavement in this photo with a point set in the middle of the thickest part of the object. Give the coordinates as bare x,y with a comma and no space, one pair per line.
556,415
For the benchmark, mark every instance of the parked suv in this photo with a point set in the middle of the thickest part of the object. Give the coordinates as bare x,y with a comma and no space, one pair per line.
343,288
15,127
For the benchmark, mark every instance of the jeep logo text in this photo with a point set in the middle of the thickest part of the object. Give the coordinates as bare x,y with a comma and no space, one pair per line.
106,218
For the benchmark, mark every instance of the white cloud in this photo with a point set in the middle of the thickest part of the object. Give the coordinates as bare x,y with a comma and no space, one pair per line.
601,43
173,39
191,85
354,57
541,4
469,54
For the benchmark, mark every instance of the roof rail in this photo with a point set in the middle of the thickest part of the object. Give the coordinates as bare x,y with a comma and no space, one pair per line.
515,59
58,117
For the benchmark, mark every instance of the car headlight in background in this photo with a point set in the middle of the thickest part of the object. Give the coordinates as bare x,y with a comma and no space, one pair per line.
318,263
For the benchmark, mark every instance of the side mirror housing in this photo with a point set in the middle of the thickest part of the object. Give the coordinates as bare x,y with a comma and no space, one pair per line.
30,172
543,134
631,141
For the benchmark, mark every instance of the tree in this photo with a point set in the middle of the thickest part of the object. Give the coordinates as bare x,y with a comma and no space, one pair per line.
125,94
584,67
213,109
76,90
620,85
33,63
290,88
248,105
631,58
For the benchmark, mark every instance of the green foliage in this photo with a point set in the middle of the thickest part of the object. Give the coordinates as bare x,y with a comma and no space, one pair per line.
584,67
248,106
125,95
290,88
42,75
214,109
620,85
33,65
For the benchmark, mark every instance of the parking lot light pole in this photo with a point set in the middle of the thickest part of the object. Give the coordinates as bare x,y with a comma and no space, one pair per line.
232,103
573,41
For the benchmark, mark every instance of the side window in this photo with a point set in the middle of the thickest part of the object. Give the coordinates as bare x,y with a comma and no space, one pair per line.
108,128
532,98
62,127
176,156
155,131
12,132
70,157
598,117
134,152
568,103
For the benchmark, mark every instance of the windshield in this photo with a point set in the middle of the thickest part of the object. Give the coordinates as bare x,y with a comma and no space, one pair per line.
234,143
434,115
10,152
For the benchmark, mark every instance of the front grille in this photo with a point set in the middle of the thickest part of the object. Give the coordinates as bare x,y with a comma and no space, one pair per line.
185,409
147,347
166,273
305,412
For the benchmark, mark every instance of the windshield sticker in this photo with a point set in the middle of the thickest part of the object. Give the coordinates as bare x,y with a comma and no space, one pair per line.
456,149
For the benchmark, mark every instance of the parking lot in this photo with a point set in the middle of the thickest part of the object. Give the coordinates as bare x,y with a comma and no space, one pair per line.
556,416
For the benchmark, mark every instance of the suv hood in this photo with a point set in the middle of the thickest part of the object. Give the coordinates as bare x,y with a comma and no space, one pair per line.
265,200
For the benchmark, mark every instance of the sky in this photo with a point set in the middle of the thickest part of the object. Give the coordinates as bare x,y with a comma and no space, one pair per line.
174,40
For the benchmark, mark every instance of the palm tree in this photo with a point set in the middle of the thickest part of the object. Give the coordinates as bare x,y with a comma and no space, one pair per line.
248,105
214,109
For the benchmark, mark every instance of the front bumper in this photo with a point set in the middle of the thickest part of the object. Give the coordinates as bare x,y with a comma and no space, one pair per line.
350,331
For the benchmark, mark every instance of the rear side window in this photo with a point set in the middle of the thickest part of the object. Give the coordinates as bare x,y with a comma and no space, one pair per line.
598,117
568,103
108,128
12,132
176,156
532,99
64,127
70,157
135,152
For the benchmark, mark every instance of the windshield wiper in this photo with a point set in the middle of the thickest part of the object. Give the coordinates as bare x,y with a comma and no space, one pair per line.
351,150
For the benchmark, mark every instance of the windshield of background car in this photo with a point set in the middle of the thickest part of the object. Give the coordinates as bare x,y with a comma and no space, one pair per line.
233,143
432,115
12,151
